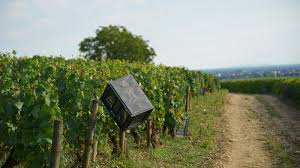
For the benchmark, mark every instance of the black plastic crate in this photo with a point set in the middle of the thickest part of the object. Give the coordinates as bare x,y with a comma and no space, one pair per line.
126,102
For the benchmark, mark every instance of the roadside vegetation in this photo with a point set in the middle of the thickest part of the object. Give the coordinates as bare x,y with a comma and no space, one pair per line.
287,89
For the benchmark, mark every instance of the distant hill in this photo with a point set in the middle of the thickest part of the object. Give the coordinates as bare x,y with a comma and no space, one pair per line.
256,71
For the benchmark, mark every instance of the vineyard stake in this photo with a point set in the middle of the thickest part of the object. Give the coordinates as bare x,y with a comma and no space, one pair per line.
56,144
187,99
122,141
94,151
90,135
149,132
190,98
126,149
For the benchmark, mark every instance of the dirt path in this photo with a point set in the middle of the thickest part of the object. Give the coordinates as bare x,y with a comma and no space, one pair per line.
246,136
245,129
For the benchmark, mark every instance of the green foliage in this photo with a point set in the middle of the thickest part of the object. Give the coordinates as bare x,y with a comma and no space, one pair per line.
36,91
116,42
277,150
284,87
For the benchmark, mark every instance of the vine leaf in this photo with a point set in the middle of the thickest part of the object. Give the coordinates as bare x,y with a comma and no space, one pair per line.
35,111
19,105
47,100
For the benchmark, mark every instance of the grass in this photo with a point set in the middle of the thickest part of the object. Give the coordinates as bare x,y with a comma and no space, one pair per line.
276,148
192,151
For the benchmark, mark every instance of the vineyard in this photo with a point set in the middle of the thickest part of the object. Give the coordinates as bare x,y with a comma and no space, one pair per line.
288,88
36,91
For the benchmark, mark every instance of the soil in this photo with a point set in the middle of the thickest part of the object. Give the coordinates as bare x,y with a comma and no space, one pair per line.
245,125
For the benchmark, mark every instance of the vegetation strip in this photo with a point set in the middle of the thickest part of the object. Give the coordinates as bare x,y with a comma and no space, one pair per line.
286,88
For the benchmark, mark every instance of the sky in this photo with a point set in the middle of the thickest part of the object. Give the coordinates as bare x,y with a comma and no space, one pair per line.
196,34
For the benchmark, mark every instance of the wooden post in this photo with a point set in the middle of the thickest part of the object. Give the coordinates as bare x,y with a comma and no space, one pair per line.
56,144
149,132
122,141
90,135
126,149
187,99
94,151
190,98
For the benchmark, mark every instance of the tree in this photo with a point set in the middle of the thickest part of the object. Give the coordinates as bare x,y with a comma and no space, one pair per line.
116,42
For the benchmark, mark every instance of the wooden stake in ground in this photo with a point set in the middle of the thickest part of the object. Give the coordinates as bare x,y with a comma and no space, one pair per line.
149,132
90,135
56,144
122,141
187,99
94,151
190,98
126,149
